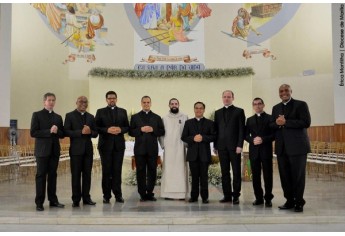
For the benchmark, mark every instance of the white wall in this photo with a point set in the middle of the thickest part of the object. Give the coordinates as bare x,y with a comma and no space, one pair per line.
304,43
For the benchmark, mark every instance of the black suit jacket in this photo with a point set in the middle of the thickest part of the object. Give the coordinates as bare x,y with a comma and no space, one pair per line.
195,149
230,133
293,135
74,123
46,143
146,143
255,128
104,120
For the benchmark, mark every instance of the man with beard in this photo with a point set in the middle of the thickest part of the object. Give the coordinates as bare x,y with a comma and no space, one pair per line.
174,183
112,123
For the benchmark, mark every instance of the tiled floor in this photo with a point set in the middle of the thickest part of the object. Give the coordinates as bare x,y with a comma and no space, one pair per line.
324,210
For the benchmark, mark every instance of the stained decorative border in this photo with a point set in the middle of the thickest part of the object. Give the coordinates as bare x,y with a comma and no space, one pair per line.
137,74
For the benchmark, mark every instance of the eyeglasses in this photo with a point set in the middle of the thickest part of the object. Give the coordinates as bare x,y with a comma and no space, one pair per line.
112,98
257,104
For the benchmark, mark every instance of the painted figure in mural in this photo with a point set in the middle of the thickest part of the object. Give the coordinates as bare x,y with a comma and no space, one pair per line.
176,32
139,7
230,127
52,12
150,15
290,120
260,136
241,24
174,183
94,22
72,30
265,53
185,13
80,127
198,133
47,129
203,10
112,123
146,127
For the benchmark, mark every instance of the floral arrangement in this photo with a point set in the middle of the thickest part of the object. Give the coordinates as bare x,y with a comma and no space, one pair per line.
214,176
138,74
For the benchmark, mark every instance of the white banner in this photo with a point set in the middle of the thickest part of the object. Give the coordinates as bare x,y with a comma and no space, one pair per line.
338,22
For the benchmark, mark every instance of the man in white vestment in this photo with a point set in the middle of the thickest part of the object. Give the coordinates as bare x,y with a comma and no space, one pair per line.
174,184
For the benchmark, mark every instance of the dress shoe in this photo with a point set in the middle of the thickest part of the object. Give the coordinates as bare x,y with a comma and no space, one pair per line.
258,202
236,201
152,198
192,200
106,200
225,199
56,204
120,200
89,202
286,206
75,204
205,201
39,207
298,208
268,204
143,199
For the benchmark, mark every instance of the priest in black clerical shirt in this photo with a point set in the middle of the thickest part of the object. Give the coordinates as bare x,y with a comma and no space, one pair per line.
198,133
146,127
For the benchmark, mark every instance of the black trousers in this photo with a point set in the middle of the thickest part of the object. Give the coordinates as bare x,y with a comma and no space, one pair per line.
292,177
81,167
112,173
265,166
46,172
227,158
146,167
199,171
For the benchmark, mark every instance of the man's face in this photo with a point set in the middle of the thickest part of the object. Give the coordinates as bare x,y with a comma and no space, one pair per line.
82,104
285,93
258,106
111,100
146,104
227,98
49,103
199,110
174,106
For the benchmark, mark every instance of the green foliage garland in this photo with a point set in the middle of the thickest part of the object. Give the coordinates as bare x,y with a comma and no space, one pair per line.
140,74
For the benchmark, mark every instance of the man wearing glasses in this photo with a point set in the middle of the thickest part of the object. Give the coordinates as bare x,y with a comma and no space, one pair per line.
112,123
260,137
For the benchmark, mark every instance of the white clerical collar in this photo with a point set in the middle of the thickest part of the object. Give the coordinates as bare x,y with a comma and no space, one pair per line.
285,103
50,111
228,106
146,112
198,119
258,114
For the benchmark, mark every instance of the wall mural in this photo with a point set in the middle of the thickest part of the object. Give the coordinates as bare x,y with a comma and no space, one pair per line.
168,36
79,26
258,22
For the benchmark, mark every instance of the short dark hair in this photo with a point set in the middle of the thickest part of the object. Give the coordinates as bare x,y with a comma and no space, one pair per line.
173,100
260,99
145,97
109,93
46,95
228,91
203,104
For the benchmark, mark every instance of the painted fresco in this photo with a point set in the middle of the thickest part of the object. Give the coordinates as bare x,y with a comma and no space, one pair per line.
80,26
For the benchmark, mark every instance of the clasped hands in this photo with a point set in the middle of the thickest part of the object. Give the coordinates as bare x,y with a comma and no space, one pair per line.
54,129
114,130
198,138
257,140
146,129
86,130
281,120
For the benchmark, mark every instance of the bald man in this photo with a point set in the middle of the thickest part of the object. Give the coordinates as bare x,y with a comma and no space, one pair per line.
290,120
80,127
